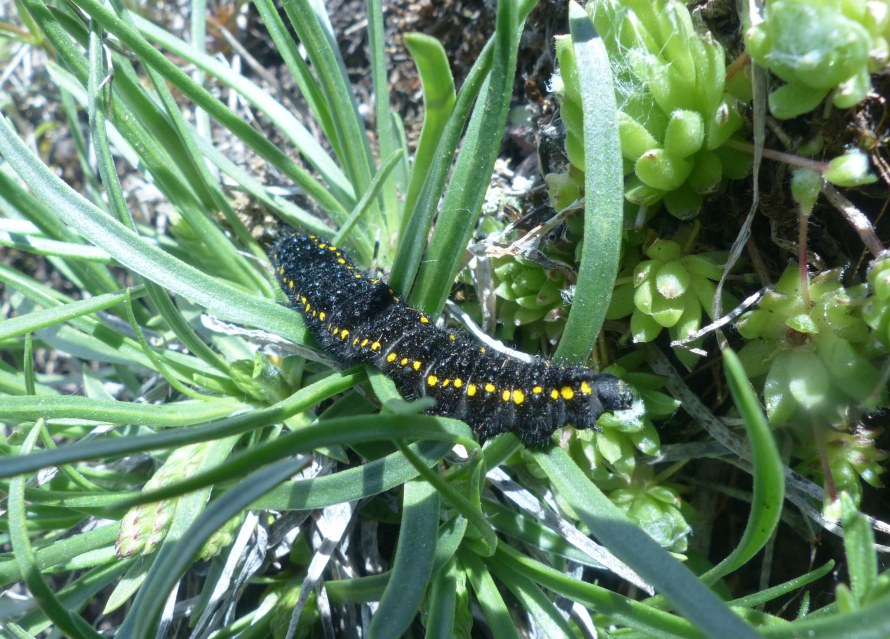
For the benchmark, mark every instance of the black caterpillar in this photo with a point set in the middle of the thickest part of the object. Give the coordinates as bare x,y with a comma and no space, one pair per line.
362,320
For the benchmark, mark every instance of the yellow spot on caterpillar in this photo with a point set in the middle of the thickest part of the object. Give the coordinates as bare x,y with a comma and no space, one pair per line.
505,396
322,245
451,337
314,313
281,270
303,299
471,390
404,361
331,247
341,261
458,382
482,350
344,334
375,282
537,390
335,330
391,357
313,237
375,346
321,316
350,267
308,306
424,319
355,342
567,392
290,284
365,341
489,387
554,394
585,388
416,365
432,380
446,383
518,397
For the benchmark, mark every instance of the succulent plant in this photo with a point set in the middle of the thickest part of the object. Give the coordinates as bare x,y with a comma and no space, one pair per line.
818,360
816,357
876,311
675,114
819,47
669,290
852,456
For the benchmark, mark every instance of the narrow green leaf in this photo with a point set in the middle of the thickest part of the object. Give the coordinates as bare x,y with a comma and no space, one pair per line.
603,193
174,558
413,562
110,446
500,623
538,606
638,550
37,320
469,182
137,254
371,478
387,135
65,620
438,103
859,547
620,609
417,223
442,604
870,622
282,118
355,153
380,179
768,492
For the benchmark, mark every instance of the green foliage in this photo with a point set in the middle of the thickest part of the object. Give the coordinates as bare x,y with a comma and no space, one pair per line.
819,47
816,351
157,436
675,114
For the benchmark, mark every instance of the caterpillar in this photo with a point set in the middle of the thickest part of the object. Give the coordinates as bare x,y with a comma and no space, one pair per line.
362,320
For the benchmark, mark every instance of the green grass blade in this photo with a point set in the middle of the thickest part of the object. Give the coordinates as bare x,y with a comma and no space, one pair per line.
463,505
387,136
539,607
371,478
859,547
130,37
66,621
137,254
418,221
173,559
619,609
636,549
603,193
37,320
355,152
768,492
472,171
379,181
282,118
439,96
442,604
500,623
413,562
110,446
870,622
